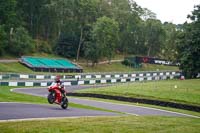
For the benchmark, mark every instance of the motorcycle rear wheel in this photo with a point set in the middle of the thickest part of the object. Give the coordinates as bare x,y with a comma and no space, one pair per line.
51,97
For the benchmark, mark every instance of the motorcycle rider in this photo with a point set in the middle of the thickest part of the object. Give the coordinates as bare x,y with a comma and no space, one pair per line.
60,84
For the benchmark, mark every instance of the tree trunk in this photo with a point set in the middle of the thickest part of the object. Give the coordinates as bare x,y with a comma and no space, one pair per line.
31,25
109,60
149,51
79,45
87,62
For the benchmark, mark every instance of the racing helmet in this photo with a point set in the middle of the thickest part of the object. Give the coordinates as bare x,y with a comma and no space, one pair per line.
57,78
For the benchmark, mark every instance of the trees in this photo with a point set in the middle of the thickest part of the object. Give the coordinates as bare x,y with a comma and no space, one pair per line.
103,40
3,40
82,28
169,49
74,19
8,14
93,52
86,15
8,21
105,34
32,13
154,37
20,42
190,46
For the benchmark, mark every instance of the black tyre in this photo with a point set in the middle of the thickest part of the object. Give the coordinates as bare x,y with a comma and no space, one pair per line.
64,103
51,97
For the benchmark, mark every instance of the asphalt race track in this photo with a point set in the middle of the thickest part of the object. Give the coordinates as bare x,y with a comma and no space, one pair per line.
42,111
128,109
11,111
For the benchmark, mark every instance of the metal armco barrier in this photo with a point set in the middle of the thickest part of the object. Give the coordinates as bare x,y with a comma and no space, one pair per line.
100,79
87,75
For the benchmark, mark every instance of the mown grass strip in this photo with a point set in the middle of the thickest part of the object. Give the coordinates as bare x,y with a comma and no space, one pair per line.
106,125
7,96
186,91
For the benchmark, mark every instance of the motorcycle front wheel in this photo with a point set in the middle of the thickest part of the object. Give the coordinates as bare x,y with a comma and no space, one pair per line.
64,103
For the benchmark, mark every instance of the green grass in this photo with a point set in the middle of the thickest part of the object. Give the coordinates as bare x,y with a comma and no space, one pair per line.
118,67
7,96
126,124
187,91
16,67
153,67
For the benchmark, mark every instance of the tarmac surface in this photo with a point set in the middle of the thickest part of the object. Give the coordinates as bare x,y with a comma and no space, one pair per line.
124,108
11,111
22,111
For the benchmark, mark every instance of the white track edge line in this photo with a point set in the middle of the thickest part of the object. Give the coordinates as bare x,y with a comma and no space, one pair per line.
52,118
145,107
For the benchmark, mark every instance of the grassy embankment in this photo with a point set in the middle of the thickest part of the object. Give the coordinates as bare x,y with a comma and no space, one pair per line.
127,124
118,67
114,67
187,91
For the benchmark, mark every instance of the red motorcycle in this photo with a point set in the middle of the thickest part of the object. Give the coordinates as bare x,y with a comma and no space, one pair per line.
55,96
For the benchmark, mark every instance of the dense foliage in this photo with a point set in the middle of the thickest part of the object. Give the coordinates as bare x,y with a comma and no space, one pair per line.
69,28
94,30
189,49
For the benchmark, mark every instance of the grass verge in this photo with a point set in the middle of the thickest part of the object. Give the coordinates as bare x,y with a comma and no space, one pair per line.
118,67
16,67
7,96
186,92
124,124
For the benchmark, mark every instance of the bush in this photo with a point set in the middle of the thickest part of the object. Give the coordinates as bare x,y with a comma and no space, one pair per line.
3,40
131,64
43,46
127,63
20,42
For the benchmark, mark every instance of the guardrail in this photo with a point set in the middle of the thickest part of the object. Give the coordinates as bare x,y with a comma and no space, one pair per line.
14,76
107,80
